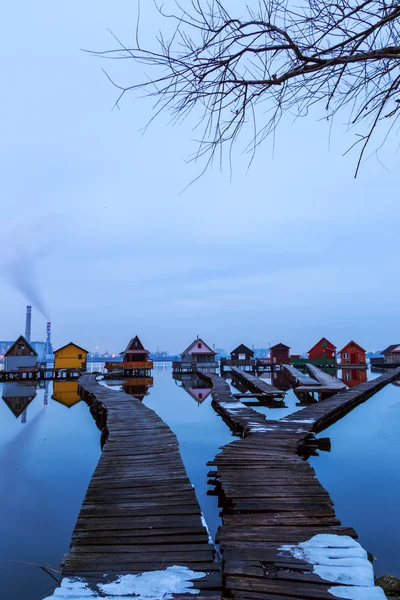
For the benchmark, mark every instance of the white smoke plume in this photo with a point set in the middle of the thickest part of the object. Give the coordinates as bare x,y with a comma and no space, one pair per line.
19,265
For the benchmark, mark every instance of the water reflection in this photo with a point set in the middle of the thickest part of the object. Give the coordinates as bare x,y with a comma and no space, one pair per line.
195,387
353,377
137,387
46,466
17,396
66,393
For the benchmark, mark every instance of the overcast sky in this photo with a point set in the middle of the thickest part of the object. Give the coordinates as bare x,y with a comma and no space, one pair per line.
93,214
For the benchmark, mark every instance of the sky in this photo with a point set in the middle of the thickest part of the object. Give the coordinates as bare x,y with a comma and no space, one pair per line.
99,232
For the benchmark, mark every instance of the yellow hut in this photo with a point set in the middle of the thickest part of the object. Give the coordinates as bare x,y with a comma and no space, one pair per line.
70,356
66,392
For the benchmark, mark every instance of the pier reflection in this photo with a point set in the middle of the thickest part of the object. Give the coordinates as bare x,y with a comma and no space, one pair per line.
17,396
195,387
66,393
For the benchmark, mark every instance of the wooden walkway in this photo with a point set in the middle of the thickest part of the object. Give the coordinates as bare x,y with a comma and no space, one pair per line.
297,377
272,502
256,385
140,512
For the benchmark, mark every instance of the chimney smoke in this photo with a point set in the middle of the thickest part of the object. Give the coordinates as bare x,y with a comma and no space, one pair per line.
28,323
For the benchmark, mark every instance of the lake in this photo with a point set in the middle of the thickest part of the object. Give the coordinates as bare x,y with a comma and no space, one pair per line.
49,450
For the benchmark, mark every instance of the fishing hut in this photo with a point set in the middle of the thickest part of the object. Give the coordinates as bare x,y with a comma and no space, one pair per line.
353,354
135,360
21,356
70,356
280,354
242,357
198,355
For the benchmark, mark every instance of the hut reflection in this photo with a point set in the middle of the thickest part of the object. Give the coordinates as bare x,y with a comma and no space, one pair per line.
353,377
195,387
66,393
137,386
18,396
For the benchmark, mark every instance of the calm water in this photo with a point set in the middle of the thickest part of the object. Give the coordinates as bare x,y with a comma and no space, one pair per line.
49,451
362,475
46,463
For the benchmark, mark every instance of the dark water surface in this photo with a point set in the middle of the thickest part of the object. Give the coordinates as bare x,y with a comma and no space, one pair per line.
49,452
46,464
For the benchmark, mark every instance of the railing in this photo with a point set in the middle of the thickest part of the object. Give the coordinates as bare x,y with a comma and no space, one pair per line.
180,365
148,364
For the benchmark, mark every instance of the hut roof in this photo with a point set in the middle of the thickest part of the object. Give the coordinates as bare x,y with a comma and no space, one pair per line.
392,348
71,344
194,343
322,340
243,348
10,351
280,345
135,346
351,344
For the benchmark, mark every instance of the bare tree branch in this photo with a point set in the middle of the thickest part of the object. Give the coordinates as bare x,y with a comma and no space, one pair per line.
338,54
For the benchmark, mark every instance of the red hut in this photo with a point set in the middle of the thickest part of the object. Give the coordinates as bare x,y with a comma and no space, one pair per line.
323,350
353,354
280,354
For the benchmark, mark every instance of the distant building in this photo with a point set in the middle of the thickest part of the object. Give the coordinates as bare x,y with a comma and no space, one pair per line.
66,393
392,354
21,355
242,352
70,356
323,350
40,349
280,354
353,354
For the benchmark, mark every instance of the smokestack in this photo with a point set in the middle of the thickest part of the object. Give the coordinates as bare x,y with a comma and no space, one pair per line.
49,347
28,323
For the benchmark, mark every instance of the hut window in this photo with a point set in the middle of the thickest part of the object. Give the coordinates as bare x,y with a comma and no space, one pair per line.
199,345
79,356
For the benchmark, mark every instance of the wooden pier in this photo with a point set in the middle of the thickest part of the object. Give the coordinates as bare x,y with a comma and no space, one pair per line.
272,501
140,512
256,385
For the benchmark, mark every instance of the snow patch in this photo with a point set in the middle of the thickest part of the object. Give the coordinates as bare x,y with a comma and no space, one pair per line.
204,523
358,593
299,420
336,558
154,585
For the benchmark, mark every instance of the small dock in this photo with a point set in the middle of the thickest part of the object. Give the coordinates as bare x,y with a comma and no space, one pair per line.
319,383
256,385
140,512
297,377
40,374
280,537
239,417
